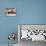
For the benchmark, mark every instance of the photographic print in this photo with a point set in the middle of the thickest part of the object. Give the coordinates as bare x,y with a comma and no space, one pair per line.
33,32
10,11
29,34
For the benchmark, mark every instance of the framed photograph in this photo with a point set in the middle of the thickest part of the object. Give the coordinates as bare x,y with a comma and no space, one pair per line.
10,11
32,32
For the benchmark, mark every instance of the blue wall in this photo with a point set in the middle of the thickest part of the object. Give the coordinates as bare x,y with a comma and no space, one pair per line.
28,12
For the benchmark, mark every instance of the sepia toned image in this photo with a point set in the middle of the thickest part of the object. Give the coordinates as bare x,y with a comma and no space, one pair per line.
10,11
